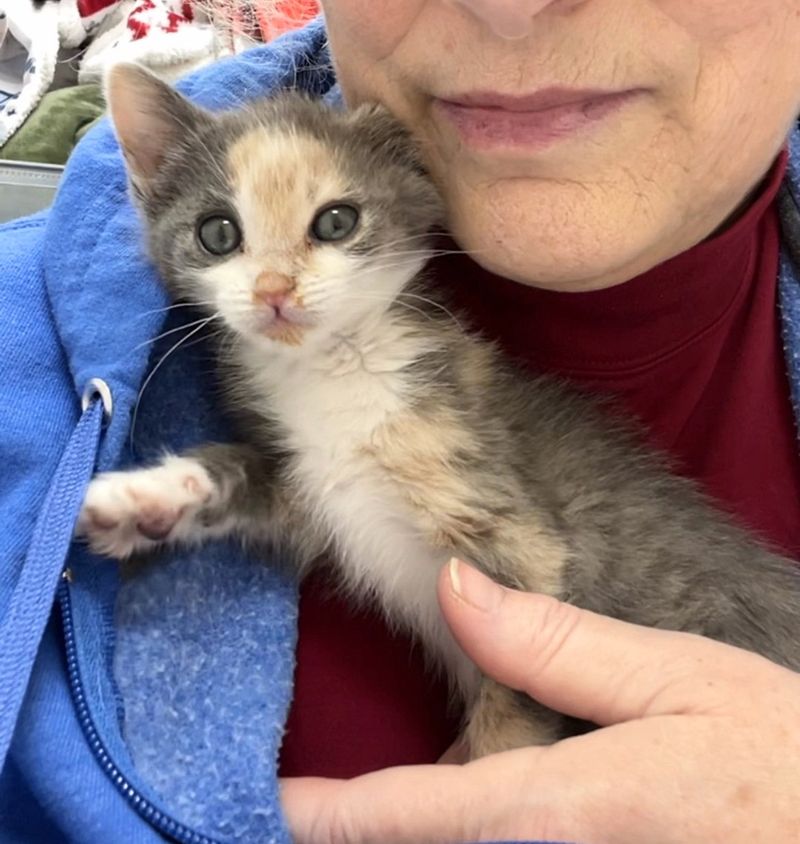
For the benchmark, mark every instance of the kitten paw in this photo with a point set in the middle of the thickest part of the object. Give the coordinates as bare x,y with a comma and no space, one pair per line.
126,512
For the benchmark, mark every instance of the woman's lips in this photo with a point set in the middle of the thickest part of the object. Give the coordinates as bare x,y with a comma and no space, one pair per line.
487,121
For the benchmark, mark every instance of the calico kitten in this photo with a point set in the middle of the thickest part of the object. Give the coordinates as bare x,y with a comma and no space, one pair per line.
376,430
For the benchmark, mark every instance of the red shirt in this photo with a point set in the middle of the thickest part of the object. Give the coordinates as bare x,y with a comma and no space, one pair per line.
692,348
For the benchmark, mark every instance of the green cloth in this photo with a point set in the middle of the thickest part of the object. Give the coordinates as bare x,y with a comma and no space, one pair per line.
56,125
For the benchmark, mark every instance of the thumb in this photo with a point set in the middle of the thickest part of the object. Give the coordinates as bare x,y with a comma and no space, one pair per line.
583,664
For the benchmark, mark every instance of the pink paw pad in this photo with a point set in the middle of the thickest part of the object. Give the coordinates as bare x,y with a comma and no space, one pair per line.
99,521
193,486
156,524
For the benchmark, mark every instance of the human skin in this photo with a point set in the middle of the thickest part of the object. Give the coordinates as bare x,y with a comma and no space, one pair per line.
721,87
698,743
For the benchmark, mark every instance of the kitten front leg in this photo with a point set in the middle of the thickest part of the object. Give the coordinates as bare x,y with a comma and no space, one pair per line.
503,719
207,493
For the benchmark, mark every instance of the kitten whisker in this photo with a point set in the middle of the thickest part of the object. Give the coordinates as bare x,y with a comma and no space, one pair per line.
173,306
435,304
409,307
155,369
430,253
415,238
212,336
364,296
170,331
371,269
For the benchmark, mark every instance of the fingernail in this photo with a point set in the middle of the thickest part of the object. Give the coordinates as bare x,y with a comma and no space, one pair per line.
474,588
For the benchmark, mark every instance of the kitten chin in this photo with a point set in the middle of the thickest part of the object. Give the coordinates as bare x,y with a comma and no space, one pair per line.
390,438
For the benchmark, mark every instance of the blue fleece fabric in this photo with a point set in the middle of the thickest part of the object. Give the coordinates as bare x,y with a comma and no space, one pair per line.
789,289
186,667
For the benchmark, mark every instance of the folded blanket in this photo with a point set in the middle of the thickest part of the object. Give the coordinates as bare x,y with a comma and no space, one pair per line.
54,127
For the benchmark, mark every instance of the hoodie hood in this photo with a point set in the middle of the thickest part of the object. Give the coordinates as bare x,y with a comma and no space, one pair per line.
187,666
106,298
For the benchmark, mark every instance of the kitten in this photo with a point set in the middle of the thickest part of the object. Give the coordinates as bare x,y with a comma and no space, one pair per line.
380,432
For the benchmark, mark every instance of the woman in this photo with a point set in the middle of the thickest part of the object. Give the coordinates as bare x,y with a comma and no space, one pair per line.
614,168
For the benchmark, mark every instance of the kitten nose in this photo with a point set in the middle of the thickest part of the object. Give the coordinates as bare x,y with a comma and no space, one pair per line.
274,300
273,289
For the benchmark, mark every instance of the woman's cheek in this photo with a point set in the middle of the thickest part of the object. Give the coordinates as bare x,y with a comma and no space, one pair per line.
371,28
711,20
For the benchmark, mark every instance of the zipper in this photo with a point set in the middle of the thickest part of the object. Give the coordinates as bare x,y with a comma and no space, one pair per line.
155,817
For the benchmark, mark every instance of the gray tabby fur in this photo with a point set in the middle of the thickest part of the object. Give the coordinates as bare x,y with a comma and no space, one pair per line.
523,476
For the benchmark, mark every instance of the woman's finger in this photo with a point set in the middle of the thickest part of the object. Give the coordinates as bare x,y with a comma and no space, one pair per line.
404,805
585,665
558,793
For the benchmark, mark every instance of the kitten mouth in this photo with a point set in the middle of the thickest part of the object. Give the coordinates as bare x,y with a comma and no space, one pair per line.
284,324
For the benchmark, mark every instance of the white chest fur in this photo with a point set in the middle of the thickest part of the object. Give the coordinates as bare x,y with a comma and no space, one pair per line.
330,407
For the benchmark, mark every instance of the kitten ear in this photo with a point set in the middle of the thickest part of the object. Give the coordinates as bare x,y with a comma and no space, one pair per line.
150,118
386,134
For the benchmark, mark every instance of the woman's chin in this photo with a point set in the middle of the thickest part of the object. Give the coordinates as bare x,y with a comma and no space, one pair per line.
576,254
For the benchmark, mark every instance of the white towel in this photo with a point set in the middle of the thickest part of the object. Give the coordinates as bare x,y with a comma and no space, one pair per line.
29,44
170,37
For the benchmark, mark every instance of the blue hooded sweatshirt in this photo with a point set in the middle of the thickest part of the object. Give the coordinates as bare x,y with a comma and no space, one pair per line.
156,704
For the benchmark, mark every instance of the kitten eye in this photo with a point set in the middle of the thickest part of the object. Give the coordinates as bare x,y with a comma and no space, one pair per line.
334,222
219,235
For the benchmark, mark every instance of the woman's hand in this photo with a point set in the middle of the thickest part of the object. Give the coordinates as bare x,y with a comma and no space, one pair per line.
700,741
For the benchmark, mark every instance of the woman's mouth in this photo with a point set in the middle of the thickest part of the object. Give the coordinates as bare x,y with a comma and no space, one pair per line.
493,121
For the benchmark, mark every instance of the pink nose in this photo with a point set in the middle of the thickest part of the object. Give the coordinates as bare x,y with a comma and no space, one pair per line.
273,289
277,299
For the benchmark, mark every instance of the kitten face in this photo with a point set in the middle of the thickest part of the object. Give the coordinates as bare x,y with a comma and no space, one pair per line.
315,252
290,221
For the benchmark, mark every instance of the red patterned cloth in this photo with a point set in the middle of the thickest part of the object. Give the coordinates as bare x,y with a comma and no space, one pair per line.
89,8
171,37
276,18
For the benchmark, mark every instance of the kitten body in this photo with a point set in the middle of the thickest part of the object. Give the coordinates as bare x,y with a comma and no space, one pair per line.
379,432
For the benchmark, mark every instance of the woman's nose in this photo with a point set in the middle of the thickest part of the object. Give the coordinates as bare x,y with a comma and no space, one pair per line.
509,18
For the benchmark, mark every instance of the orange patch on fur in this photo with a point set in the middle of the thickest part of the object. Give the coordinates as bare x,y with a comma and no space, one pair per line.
281,179
286,333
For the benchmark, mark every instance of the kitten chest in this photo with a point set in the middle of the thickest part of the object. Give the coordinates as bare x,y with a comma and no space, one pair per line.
337,432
